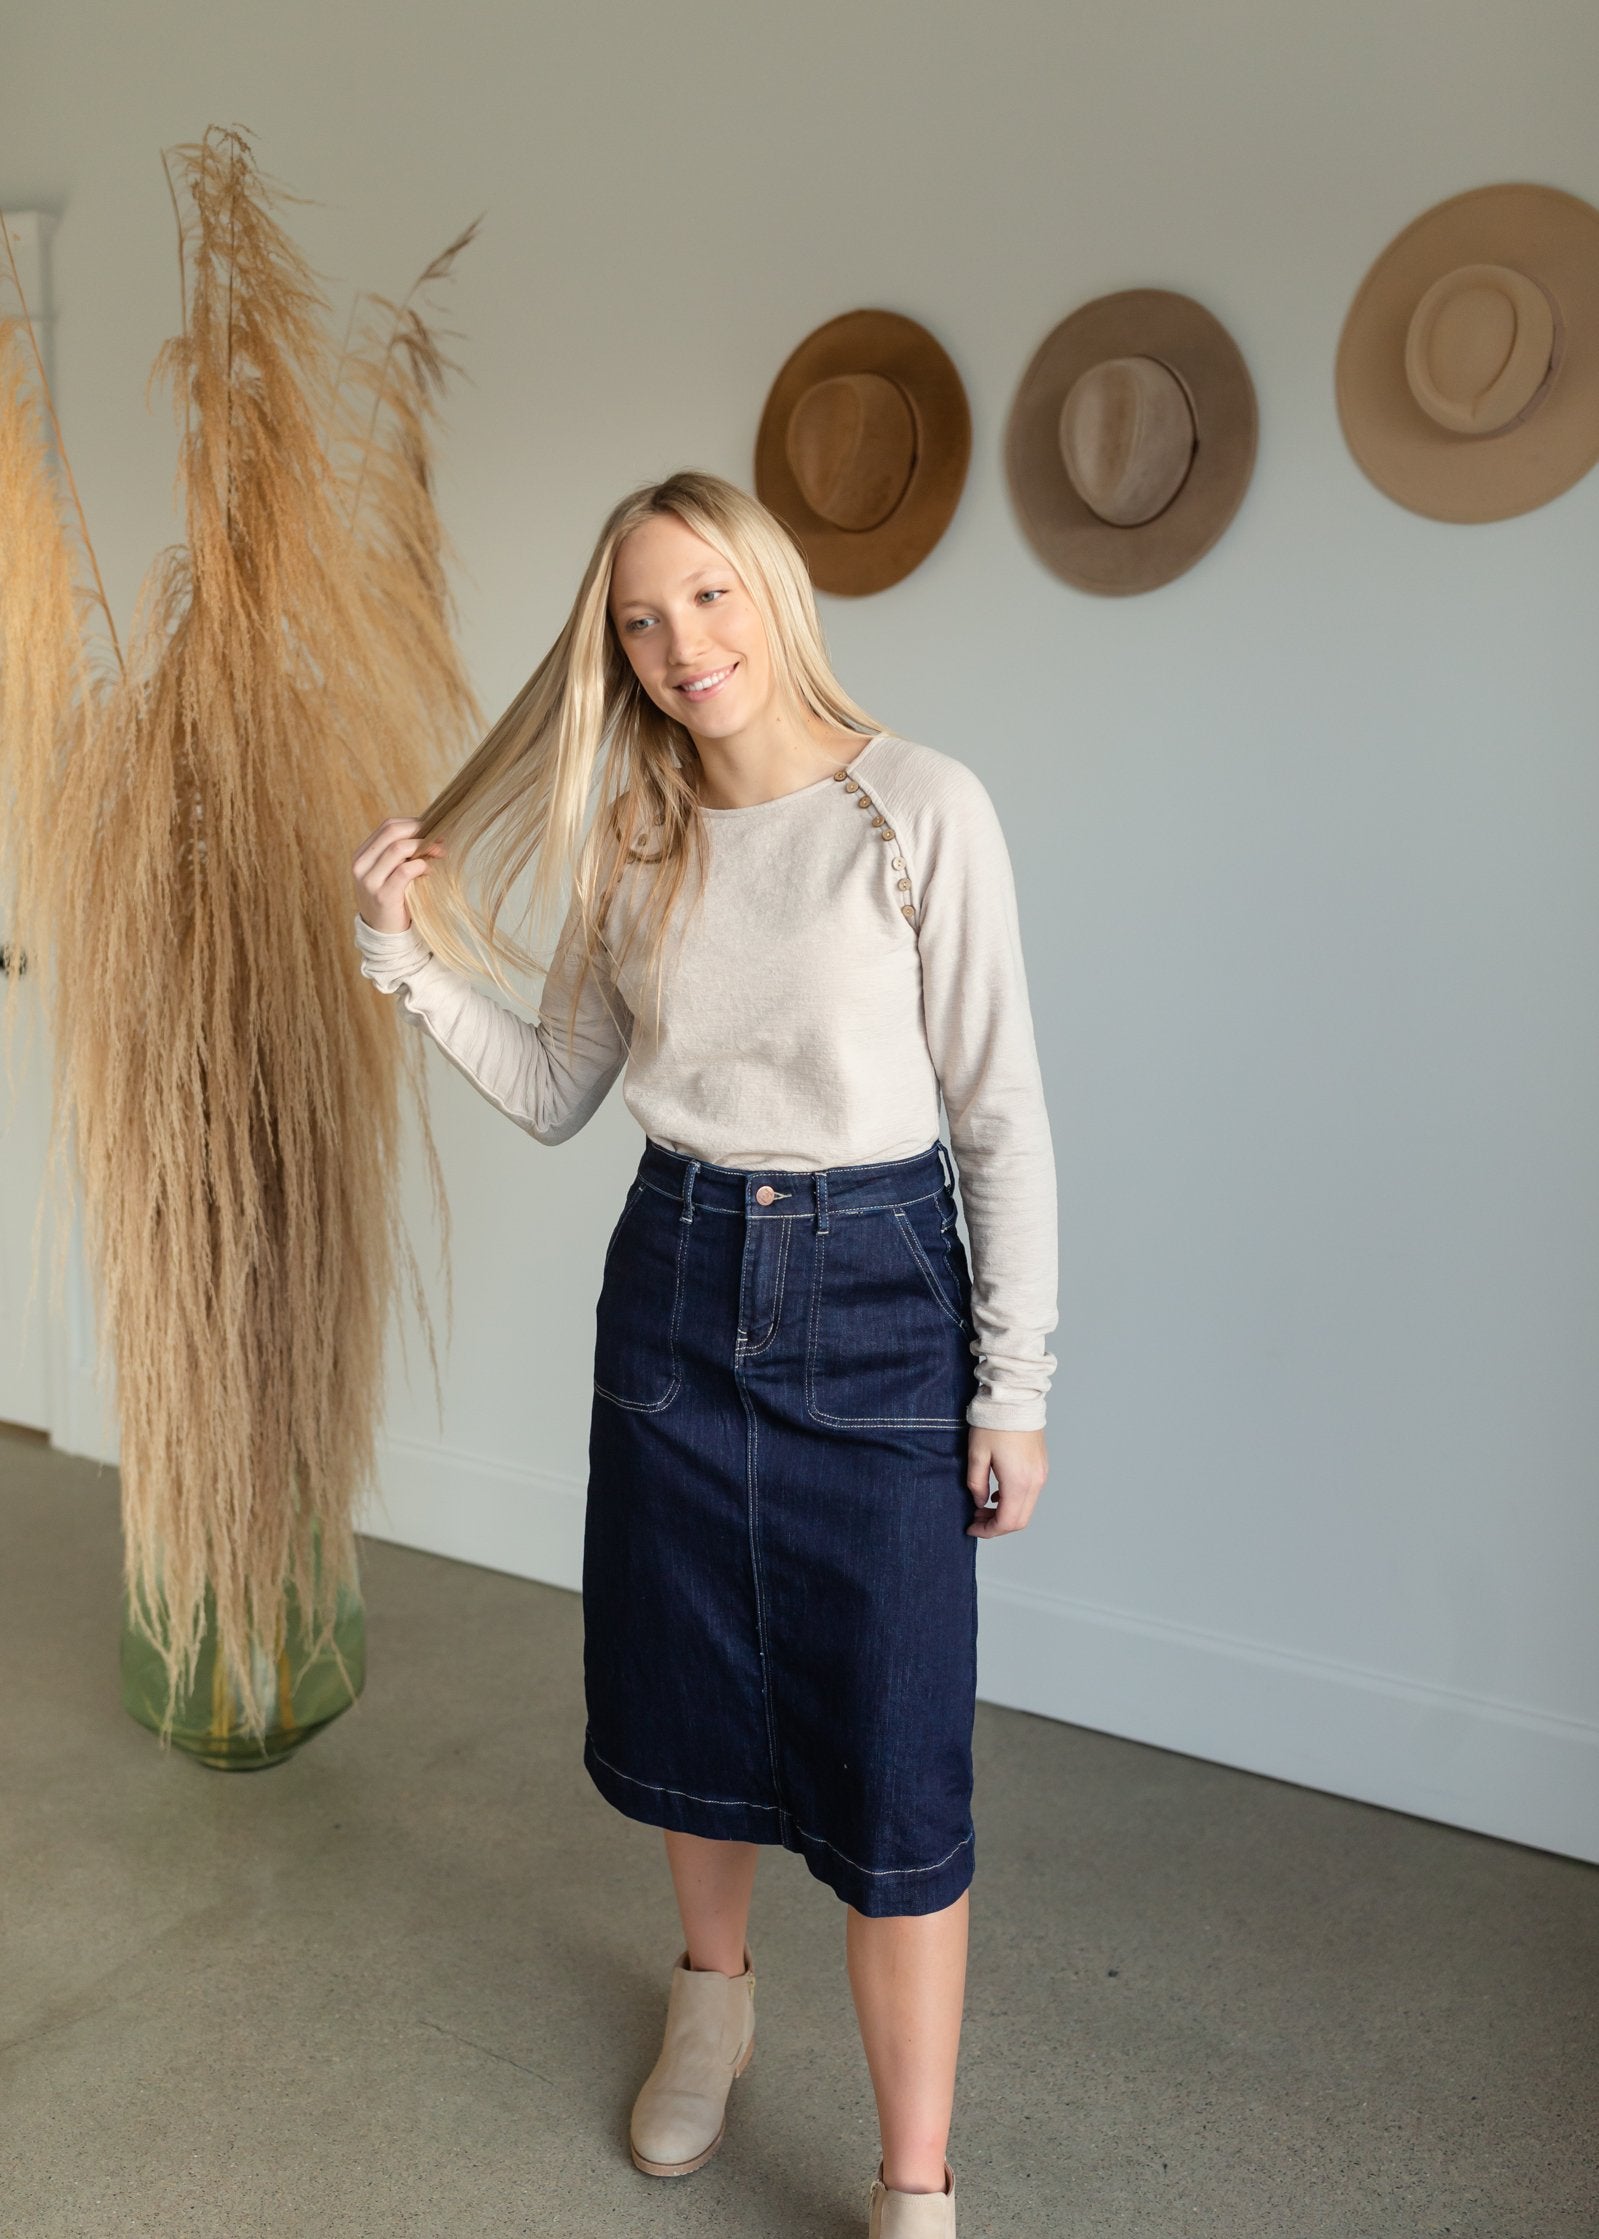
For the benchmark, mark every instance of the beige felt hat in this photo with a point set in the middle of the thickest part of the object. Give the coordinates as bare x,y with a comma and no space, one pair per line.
1468,366
863,447
1131,440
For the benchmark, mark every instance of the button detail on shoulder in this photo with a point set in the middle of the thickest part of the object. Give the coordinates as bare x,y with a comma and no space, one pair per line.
880,827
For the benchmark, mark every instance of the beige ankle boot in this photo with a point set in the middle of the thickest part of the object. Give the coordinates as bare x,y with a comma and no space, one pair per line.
679,2116
912,2215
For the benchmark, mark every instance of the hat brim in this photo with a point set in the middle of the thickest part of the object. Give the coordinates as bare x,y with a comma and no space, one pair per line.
1552,237
857,561
1064,530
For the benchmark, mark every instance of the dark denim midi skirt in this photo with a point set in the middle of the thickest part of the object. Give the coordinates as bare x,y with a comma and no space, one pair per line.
779,1588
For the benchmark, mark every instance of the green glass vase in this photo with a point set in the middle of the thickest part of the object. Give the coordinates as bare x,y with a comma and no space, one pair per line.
303,1692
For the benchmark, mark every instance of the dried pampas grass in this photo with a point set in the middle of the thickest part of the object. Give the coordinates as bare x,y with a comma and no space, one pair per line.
176,824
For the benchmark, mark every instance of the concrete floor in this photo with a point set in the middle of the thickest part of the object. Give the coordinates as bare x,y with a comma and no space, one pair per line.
408,1982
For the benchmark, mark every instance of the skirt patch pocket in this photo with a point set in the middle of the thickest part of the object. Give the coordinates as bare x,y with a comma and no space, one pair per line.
635,1320
890,1322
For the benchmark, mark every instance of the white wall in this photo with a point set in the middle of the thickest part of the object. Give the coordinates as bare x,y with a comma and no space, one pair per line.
1307,843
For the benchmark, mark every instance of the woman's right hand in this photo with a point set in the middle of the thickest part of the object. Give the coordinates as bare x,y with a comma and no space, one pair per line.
384,866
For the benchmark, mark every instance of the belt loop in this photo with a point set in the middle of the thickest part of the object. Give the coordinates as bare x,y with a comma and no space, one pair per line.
687,1213
821,1202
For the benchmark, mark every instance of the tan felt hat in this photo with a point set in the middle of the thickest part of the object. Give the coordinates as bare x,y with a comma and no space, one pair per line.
1131,440
1468,366
863,447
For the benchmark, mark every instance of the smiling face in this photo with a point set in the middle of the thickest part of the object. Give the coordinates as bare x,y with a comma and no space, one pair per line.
685,619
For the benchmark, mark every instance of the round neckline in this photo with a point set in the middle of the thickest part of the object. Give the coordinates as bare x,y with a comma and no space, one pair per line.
753,808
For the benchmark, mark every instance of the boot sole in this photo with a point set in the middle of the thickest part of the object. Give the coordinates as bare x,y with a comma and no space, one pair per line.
687,2168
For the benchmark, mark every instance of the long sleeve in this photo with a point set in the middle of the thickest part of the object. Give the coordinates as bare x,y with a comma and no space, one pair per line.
523,1069
980,1035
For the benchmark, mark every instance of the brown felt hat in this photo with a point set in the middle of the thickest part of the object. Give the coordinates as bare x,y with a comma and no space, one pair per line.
863,447
1468,366
1131,440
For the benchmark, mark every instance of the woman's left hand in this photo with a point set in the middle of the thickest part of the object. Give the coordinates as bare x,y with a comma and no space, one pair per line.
1020,1462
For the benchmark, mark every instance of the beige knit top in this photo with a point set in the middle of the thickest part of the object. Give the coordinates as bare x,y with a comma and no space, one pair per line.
855,952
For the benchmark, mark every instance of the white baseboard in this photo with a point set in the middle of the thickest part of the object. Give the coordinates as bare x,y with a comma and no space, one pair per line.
528,1522
1493,1768
1524,1776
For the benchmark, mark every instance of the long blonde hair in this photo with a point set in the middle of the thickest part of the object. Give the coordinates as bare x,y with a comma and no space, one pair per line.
583,721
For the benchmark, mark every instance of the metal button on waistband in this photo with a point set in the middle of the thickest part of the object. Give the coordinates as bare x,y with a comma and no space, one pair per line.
765,1194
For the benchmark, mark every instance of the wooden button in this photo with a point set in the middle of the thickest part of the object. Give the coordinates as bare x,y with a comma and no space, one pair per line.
765,1194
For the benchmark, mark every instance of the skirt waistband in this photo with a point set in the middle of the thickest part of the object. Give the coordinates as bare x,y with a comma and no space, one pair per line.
781,1192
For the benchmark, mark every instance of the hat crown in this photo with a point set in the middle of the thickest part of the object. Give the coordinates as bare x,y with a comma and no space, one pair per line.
1481,348
1127,438
851,444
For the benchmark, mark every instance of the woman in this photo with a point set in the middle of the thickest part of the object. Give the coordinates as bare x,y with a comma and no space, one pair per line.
795,931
